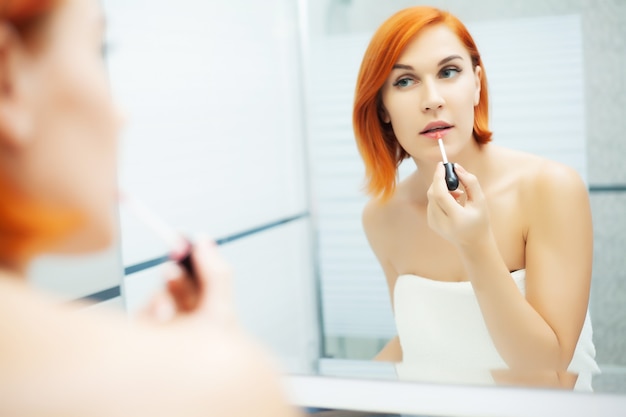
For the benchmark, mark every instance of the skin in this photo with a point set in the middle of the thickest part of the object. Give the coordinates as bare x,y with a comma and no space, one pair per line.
187,355
513,211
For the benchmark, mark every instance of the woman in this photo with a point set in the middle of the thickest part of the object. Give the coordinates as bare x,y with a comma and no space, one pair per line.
496,274
58,134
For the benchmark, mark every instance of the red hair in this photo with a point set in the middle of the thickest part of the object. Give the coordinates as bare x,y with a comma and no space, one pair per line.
376,141
25,13
27,226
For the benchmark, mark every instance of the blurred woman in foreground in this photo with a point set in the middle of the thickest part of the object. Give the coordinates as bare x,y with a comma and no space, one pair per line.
58,141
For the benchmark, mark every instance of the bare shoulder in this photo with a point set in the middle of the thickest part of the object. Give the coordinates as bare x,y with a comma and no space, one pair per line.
378,223
559,179
380,215
557,201
211,365
539,178
554,183
549,193
374,213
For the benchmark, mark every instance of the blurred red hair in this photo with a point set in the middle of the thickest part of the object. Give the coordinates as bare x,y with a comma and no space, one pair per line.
21,13
376,141
26,226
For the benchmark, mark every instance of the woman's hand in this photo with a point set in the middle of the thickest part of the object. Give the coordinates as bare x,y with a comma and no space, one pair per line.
208,297
459,216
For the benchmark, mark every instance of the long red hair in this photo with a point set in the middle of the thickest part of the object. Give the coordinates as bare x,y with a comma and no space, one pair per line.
27,226
376,141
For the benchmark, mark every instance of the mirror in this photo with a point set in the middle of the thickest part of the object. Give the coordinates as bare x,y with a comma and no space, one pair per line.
560,115
222,139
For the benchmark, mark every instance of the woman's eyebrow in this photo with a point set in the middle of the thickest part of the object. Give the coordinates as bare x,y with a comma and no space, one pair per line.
448,59
440,63
402,66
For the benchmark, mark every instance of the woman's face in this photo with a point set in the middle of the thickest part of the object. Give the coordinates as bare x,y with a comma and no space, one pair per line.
432,81
64,154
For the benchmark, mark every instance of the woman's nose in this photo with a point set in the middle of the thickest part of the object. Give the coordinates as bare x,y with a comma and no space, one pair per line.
432,98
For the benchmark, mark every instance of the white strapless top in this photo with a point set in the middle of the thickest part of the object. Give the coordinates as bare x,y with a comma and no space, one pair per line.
445,339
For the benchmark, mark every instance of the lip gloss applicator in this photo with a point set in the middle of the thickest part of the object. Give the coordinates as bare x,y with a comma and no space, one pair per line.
180,247
452,181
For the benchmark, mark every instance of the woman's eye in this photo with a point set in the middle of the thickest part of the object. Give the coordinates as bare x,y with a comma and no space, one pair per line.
449,72
404,82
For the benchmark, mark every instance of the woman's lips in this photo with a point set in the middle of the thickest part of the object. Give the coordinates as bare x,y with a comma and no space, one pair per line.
436,134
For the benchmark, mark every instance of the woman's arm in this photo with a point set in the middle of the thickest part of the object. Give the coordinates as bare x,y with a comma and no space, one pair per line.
542,378
392,352
539,331
374,226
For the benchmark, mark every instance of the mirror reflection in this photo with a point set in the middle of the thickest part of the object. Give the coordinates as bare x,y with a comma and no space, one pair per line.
232,148
398,282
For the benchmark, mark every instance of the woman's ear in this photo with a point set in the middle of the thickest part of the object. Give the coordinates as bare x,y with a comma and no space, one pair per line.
478,74
16,122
